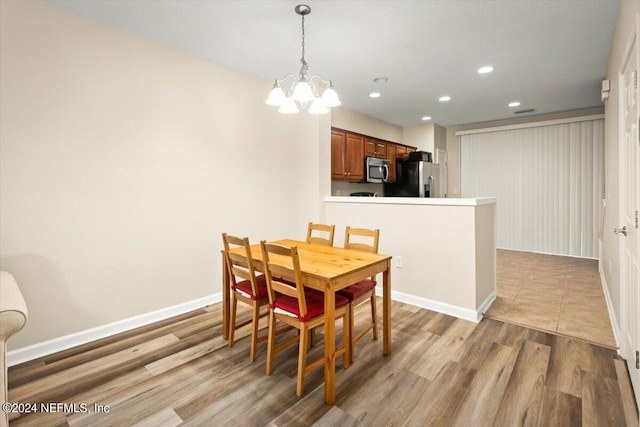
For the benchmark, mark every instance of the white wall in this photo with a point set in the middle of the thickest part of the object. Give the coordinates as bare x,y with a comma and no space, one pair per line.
121,162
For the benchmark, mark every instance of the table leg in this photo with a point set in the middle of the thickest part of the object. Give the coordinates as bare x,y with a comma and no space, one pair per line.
386,309
226,300
329,344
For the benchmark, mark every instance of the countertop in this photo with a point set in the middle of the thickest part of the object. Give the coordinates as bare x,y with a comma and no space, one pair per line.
412,200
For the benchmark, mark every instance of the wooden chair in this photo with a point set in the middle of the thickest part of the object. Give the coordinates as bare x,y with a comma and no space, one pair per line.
299,307
245,287
364,290
323,229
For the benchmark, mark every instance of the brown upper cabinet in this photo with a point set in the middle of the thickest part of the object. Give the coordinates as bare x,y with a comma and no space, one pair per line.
391,156
401,152
347,156
375,148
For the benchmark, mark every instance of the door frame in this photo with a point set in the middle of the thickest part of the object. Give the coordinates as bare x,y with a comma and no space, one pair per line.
626,353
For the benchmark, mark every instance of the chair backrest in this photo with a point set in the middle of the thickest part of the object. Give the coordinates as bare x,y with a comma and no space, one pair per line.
325,230
239,265
282,261
370,235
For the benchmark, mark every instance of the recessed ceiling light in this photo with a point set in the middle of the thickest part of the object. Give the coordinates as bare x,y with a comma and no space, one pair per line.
381,80
374,95
486,69
444,98
514,104
425,118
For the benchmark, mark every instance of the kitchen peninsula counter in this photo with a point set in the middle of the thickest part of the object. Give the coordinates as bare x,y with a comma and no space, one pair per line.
444,254
413,200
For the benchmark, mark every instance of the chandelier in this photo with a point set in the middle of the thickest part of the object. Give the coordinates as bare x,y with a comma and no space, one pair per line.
314,94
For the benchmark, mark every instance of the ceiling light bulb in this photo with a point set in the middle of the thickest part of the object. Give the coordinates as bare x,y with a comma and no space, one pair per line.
444,98
276,96
330,97
514,104
318,107
302,92
486,69
288,107
425,118
374,95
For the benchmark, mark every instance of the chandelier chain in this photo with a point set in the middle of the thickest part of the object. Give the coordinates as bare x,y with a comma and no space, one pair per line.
302,60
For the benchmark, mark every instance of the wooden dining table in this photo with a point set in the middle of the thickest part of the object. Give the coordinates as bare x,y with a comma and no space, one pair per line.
327,269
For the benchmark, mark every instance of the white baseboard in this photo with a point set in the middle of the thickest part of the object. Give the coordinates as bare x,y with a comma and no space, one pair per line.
441,307
612,313
25,354
485,305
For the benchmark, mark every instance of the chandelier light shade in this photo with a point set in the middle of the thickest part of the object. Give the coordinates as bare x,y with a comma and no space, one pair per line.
293,94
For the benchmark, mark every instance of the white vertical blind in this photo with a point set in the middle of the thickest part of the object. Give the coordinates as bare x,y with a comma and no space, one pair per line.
548,180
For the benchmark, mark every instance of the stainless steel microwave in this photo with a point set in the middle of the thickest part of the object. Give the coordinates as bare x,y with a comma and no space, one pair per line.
377,170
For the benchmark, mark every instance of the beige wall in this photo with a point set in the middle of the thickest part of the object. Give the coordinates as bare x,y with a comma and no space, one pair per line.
453,146
426,137
485,252
121,162
419,136
625,28
343,118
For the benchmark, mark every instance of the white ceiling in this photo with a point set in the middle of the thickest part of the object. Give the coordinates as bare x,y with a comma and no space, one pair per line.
550,55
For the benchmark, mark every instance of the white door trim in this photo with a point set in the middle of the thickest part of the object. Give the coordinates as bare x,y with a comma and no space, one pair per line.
625,351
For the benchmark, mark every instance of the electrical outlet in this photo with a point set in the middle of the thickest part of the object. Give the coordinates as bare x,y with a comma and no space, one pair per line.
399,262
609,267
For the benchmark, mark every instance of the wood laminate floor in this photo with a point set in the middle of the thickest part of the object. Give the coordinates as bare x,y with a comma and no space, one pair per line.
443,371
561,295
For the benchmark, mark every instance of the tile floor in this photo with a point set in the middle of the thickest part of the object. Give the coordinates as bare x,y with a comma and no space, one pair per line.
556,294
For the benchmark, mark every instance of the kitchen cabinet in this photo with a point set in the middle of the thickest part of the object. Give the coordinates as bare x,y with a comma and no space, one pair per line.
347,156
349,149
391,156
375,148
401,152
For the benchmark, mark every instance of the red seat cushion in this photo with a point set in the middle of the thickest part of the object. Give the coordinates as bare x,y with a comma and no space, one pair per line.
315,304
245,286
357,290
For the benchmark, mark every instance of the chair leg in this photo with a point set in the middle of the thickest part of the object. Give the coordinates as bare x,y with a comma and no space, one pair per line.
312,338
346,339
351,332
254,332
232,318
374,315
271,340
302,361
